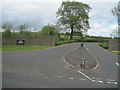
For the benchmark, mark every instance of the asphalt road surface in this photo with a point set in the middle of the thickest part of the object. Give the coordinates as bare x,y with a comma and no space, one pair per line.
47,69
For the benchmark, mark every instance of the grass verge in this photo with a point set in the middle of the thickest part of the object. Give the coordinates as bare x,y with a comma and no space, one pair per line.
114,52
23,48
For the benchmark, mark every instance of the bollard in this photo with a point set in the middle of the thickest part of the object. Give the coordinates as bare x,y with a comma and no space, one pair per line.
81,44
83,63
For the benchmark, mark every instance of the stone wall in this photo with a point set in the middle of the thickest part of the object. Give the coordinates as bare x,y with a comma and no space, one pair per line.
114,44
34,41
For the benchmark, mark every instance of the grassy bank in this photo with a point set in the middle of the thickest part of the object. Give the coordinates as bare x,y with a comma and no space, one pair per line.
114,52
23,48
104,45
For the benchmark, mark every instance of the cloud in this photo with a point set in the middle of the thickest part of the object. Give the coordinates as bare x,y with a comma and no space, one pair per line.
39,13
35,14
98,30
102,21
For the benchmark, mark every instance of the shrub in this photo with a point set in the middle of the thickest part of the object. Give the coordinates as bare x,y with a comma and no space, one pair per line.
6,33
104,45
63,42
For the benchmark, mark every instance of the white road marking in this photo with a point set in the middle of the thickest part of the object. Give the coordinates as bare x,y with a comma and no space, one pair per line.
100,81
93,78
83,79
87,48
71,78
97,78
112,82
85,76
117,64
59,76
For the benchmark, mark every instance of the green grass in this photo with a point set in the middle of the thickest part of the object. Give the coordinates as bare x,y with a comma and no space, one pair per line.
114,52
23,48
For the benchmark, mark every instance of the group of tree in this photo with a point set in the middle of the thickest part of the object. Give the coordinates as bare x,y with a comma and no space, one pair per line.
7,27
72,15
47,30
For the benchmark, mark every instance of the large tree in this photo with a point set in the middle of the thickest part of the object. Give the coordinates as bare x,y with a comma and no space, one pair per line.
74,15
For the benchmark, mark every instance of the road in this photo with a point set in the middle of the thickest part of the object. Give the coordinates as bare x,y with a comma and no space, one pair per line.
47,69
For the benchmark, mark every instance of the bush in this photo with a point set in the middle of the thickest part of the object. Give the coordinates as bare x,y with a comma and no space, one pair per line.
64,37
6,33
63,42
104,45
14,34
48,30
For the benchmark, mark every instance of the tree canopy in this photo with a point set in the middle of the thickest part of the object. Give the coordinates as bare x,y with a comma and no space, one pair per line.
7,26
74,15
48,30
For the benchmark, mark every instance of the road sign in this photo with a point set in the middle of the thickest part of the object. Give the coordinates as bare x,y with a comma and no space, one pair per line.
20,42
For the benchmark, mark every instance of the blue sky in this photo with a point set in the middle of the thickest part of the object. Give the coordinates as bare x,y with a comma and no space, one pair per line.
38,13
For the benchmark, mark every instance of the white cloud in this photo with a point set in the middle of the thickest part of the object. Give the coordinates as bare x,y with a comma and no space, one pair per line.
92,13
98,30
41,12
113,27
96,25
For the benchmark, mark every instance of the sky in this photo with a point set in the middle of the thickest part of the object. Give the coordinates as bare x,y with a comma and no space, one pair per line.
38,13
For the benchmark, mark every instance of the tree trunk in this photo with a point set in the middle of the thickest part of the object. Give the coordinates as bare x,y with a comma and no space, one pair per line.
71,35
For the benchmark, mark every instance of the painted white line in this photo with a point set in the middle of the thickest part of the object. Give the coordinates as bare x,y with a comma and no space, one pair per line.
96,78
83,79
85,76
98,81
59,76
112,82
87,48
72,78
117,64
